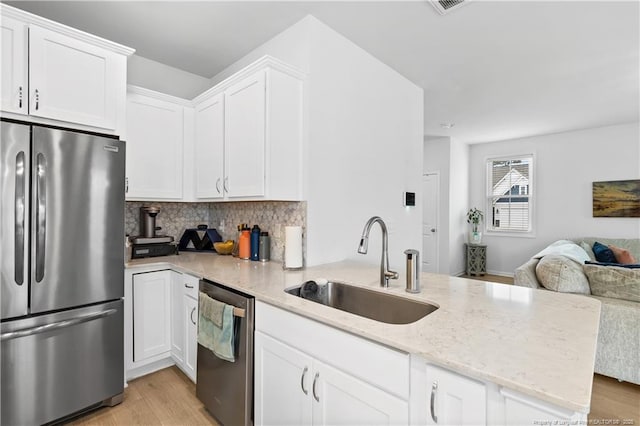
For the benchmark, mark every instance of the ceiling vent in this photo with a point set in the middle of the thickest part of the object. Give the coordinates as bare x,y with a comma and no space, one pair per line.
446,6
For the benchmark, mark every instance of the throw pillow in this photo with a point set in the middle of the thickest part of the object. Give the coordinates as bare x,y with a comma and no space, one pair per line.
622,255
559,273
604,253
614,281
587,248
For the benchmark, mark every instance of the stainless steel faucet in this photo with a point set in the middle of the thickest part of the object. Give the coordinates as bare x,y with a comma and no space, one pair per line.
385,273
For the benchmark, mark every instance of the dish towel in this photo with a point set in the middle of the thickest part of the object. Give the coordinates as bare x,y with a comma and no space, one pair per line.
215,327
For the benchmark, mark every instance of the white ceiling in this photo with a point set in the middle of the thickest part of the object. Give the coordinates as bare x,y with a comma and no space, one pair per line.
497,69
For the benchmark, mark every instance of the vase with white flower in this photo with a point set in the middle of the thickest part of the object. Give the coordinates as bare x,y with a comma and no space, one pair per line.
475,217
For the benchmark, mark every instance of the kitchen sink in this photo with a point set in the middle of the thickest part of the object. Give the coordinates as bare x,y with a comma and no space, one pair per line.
371,304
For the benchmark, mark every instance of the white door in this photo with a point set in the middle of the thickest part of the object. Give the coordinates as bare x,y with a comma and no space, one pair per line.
190,311
341,399
454,399
177,318
154,148
209,148
14,92
151,324
244,117
71,80
430,206
282,380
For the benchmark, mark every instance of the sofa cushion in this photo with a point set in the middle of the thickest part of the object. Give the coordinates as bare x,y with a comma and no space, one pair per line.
614,281
559,273
622,255
603,253
588,249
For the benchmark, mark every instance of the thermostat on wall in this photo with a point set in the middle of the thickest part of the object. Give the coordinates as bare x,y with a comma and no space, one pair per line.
409,199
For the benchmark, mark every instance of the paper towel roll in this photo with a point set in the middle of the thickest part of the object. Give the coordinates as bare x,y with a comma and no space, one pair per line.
292,247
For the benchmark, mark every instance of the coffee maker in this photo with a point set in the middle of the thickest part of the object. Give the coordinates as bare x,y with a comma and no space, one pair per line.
148,243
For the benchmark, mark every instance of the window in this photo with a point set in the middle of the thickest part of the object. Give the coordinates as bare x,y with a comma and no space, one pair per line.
509,194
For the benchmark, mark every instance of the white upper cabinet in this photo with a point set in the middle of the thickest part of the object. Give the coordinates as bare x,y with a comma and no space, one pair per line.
209,148
71,80
245,137
155,140
249,134
14,89
73,77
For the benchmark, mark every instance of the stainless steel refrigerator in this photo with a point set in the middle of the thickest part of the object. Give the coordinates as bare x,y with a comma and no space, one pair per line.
62,272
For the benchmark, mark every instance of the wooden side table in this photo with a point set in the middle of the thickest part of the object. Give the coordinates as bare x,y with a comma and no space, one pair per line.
476,259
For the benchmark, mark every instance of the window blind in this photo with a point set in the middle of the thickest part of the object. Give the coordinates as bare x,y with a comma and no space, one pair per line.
509,194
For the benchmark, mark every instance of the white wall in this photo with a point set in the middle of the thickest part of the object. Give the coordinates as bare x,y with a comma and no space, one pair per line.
365,150
450,158
458,205
363,147
163,78
437,158
565,165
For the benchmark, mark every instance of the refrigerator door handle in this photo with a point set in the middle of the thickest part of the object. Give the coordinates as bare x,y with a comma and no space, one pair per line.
55,325
20,210
41,215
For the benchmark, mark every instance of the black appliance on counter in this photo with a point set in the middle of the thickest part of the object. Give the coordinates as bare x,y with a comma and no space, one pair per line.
148,244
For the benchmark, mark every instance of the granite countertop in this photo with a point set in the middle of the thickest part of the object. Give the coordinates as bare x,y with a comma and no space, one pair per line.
537,342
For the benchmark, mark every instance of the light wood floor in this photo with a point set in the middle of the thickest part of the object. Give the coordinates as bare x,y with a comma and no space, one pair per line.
168,397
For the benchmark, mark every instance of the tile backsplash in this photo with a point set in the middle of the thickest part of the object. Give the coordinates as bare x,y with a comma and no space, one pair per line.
173,218
271,216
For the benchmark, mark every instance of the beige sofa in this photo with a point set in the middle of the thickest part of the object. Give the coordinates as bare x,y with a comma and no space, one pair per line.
618,350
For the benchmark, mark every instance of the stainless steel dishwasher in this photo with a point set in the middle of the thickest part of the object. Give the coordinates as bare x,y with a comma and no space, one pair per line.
226,388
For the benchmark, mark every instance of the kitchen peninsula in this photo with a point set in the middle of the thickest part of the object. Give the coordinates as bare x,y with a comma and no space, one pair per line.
529,353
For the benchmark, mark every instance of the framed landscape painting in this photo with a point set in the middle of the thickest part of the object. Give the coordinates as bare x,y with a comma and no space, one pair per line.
618,198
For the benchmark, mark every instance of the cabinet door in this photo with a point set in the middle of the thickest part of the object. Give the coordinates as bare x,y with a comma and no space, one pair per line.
13,91
177,318
190,310
339,398
245,137
71,80
455,399
151,322
209,149
154,148
282,379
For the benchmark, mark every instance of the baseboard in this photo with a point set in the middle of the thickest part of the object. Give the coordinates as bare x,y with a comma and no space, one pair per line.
150,368
501,273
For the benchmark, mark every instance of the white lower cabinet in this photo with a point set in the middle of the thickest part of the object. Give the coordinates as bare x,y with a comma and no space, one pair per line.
191,336
184,319
161,321
282,378
151,324
455,399
342,383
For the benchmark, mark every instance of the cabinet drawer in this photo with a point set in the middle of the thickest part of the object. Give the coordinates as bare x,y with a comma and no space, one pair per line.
379,365
190,285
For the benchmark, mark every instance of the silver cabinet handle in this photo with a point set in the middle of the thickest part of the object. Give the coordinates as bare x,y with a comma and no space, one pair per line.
55,325
313,388
434,388
225,184
304,373
188,286
41,215
37,99
20,97
20,210
191,315
126,185
218,185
